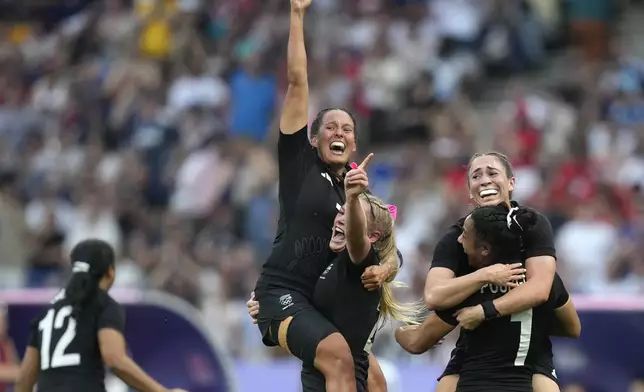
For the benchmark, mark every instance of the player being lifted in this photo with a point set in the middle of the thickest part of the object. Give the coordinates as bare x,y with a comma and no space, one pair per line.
81,332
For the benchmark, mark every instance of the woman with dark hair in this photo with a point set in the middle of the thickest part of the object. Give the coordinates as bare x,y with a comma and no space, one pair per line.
311,192
502,354
81,332
451,279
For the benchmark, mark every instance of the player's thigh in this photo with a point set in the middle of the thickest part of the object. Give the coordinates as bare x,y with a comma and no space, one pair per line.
304,333
544,383
447,383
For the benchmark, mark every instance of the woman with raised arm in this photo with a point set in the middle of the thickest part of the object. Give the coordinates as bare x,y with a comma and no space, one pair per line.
311,192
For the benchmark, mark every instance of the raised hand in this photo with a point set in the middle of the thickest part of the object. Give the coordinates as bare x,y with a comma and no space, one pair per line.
299,6
356,180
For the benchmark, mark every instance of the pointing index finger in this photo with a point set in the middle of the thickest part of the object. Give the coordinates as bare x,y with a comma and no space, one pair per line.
366,161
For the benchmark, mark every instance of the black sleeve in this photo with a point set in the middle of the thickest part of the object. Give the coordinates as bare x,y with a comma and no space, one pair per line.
447,315
448,253
112,316
560,294
295,156
357,269
539,241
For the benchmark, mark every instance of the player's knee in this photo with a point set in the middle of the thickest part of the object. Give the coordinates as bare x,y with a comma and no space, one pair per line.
333,356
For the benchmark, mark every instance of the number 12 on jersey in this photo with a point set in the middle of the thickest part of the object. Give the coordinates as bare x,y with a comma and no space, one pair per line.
55,320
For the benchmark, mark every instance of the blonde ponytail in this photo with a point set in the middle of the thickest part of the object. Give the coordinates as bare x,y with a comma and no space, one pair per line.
390,308
382,221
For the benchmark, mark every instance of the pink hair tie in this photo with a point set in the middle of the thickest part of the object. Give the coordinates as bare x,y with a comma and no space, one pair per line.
353,165
393,210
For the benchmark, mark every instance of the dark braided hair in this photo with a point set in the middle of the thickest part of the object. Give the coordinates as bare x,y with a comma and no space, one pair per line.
502,228
91,259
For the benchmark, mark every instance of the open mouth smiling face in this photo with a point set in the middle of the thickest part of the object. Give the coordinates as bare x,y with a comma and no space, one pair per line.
337,148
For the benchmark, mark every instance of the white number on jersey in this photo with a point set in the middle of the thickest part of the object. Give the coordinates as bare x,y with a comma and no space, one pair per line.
525,318
56,320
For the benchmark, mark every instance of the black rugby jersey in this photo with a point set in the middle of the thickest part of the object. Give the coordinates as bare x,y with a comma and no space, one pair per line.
310,196
499,353
342,299
70,358
449,253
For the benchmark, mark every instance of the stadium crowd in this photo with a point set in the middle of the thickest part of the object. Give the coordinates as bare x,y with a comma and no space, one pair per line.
151,125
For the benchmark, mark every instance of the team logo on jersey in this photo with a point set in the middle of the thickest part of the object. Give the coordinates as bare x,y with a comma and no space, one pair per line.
326,271
328,177
554,373
286,301
338,206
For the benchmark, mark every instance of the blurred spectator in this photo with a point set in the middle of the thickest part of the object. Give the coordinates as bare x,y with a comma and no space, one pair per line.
590,24
14,239
253,91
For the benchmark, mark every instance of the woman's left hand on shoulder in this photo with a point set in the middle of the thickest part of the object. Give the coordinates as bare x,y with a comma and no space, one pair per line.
375,276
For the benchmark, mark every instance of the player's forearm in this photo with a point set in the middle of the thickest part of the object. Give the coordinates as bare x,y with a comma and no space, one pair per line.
128,371
356,230
526,296
451,292
296,52
408,338
25,382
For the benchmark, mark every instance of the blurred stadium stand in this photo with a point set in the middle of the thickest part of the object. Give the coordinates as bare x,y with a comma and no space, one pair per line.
152,124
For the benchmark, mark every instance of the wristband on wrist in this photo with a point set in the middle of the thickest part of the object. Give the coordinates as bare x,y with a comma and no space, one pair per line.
489,310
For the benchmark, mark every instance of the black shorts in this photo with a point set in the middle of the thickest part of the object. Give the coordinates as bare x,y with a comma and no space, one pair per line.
314,381
543,365
306,329
455,362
